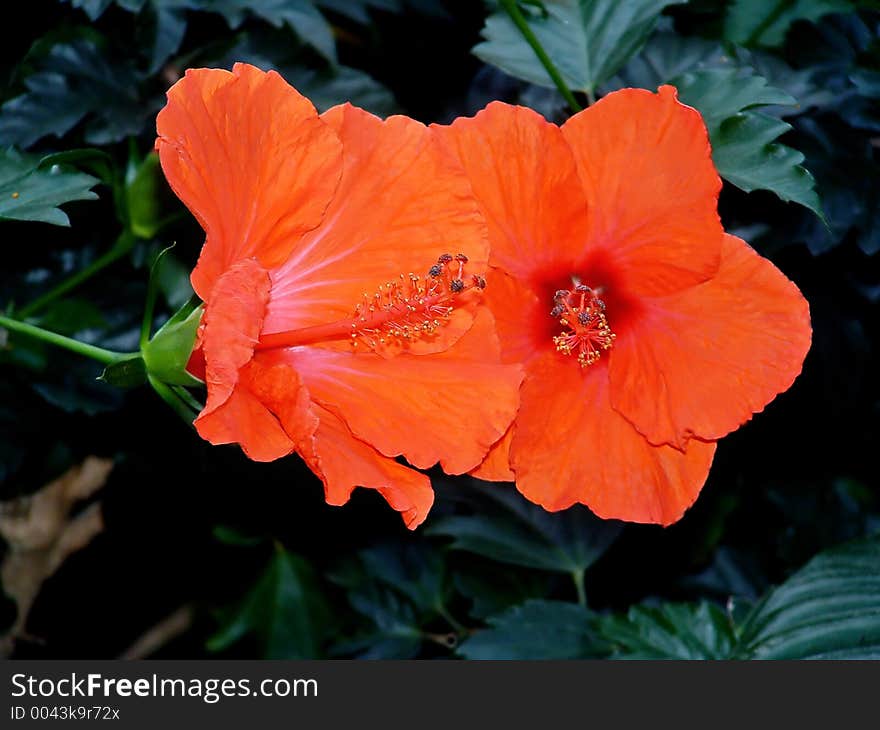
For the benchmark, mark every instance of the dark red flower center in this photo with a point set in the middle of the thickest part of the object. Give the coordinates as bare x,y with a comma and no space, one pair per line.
585,327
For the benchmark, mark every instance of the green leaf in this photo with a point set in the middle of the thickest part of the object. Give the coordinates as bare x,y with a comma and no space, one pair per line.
507,528
399,588
93,8
338,84
670,631
492,590
325,88
587,40
745,153
168,21
30,192
164,30
91,159
766,22
75,81
358,10
830,609
804,84
301,15
744,146
283,611
721,93
396,633
411,569
667,55
537,630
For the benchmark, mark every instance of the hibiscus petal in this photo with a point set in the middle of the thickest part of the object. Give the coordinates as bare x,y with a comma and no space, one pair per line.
251,159
523,174
496,466
344,462
230,327
280,388
401,203
571,446
269,413
243,419
448,407
702,361
652,190
516,309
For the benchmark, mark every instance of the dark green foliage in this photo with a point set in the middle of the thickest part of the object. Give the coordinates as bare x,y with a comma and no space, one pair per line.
588,40
283,611
400,589
31,190
777,559
746,154
828,610
505,528
765,22
670,631
76,81
537,630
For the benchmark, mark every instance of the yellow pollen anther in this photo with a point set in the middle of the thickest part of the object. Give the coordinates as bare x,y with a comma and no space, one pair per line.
396,314
415,307
587,333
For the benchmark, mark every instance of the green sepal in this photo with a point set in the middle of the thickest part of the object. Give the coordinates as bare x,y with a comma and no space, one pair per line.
127,372
167,354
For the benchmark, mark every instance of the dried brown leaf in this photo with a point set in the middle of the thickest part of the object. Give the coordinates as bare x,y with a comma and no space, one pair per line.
41,532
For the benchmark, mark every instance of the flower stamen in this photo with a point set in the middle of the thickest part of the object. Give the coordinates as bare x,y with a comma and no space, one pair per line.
398,312
413,307
587,333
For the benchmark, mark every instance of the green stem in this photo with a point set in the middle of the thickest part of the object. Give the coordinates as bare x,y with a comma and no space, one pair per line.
120,248
152,293
523,26
578,577
184,395
107,357
167,394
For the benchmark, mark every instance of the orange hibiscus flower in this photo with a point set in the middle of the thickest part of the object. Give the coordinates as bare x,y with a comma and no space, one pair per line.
335,323
646,332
